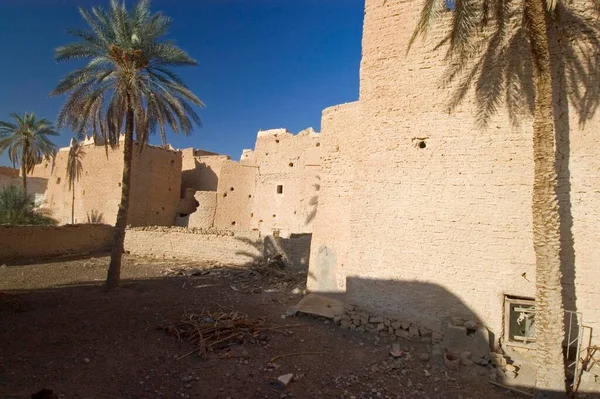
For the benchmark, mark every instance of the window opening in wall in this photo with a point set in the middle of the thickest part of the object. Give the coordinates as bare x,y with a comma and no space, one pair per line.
249,195
233,223
318,145
277,141
422,144
119,184
231,188
252,215
279,189
58,180
519,321
274,215
291,164
224,194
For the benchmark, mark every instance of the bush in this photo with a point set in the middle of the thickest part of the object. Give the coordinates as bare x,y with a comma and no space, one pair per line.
17,208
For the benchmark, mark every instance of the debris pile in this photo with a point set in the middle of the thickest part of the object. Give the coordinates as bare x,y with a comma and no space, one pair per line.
386,328
216,330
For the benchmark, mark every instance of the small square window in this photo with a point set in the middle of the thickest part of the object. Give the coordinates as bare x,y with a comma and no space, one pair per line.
280,189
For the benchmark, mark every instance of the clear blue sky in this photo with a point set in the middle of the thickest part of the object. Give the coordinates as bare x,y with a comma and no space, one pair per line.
262,63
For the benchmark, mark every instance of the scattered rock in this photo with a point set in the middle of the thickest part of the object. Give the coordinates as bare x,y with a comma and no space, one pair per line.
291,311
424,356
457,321
451,360
345,324
413,331
86,360
510,375
510,367
466,362
401,333
396,351
376,319
285,379
470,325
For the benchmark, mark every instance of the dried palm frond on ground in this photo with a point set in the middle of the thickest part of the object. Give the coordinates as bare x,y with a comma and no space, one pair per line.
213,330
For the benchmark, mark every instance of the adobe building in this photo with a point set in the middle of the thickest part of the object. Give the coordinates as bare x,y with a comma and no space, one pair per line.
155,185
273,188
424,216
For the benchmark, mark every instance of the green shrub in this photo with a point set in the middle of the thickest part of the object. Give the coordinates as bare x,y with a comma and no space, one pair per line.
17,208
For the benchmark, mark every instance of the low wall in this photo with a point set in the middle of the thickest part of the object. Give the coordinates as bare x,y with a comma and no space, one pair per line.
18,243
222,246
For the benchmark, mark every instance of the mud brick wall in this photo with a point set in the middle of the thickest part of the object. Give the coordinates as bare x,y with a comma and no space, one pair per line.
219,246
429,214
20,243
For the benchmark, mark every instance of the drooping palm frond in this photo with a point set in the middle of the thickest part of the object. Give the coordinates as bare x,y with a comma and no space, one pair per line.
484,48
17,208
128,68
26,141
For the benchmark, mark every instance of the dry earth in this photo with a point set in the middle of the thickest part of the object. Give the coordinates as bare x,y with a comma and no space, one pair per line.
61,331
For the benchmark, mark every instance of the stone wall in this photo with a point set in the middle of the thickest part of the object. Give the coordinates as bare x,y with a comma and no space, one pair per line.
219,246
437,200
155,185
21,243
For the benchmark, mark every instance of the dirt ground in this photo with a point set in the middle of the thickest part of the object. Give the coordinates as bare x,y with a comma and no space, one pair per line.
60,330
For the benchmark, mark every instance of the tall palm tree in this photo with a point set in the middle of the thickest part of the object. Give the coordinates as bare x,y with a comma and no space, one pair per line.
126,82
509,48
27,142
74,171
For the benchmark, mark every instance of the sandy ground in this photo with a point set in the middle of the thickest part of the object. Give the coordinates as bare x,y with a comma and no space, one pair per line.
60,330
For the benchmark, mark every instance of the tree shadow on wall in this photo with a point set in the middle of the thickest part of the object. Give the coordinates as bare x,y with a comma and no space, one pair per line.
313,203
294,251
501,76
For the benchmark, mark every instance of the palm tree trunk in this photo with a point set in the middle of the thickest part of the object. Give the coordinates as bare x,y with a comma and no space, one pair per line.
24,168
114,269
549,319
73,204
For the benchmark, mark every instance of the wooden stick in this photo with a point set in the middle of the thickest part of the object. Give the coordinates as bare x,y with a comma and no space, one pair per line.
296,354
511,389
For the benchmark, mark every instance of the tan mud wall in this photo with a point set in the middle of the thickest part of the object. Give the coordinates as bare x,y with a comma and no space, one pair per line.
201,172
235,196
292,162
180,243
204,216
21,243
155,186
331,234
8,177
446,229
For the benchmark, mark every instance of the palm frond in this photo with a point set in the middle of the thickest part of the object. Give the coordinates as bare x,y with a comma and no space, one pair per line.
429,14
128,68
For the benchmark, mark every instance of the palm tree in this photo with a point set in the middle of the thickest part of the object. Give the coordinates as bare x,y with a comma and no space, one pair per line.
74,171
127,81
487,44
27,142
17,208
